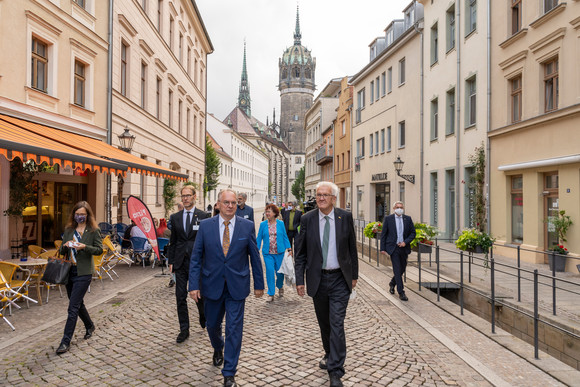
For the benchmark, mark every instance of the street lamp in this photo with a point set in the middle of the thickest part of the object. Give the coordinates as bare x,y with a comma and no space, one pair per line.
399,167
126,140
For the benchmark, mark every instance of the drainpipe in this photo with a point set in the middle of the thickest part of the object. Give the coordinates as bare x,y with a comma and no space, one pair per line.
109,108
458,118
488,159
349,109
421,134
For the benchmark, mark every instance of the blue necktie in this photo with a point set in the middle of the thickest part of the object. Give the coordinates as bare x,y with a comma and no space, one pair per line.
325,238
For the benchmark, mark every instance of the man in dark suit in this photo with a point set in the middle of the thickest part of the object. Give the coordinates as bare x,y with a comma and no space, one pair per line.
291,217
220,260
184,228
327,247
398,232
243,210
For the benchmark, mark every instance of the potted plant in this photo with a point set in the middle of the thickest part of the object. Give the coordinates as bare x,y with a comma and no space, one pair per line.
558,258
561,224
475,241
424,235
373,229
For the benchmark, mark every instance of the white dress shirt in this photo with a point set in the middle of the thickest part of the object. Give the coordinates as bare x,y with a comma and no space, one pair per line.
332,257
223,227
400,228
185,214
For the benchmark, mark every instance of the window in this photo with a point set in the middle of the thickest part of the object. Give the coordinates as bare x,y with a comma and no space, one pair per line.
402,71
79,83
450,114
402,134
516,16
180,47
124,67
298,160
188,124
372,90
517,209
382,140
434,43
143,85
471,17
516,98
378,91
376,143
39,65
434,119
471,95
144,5
389,139
402,191
551,85
342,162
348,157
171,26
189,60
361,104
390,79
343,125
179,114
158,98
159,14
81,3
360,147
371,144
384,83
450,19
549,5
170,102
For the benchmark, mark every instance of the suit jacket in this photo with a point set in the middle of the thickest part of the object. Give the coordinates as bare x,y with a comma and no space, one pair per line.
389,234
215,270
94,246
309,252
286,217
282,241
180,241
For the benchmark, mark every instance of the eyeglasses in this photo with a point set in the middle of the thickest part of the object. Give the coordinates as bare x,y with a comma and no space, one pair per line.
323,196
230,203
186,196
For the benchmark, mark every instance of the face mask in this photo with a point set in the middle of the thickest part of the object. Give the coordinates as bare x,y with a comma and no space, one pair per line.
399,211
80,218
289,207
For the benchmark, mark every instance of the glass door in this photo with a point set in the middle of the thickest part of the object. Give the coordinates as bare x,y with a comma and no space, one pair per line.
66,196
382,201
551,208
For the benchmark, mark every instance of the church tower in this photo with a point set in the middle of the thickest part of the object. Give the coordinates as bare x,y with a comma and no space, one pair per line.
244,94
296,85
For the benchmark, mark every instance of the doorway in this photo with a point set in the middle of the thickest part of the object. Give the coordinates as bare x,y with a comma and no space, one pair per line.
450,202
66,196
382,201
551,208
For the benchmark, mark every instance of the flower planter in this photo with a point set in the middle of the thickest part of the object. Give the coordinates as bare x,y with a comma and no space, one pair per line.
559,260
426,249
477,250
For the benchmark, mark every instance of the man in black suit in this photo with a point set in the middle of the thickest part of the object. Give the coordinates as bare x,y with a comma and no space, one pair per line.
398,232
327,247
291,217
184,228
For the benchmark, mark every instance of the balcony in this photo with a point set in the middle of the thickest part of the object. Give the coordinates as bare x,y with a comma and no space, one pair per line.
324,156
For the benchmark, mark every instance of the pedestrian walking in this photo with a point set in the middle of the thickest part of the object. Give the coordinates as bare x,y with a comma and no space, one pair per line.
327,252
183,234
81,240
243,210
273,241
223,251
398,232
291,218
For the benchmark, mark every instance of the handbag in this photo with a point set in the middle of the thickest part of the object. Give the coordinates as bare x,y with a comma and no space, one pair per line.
56,271
287,268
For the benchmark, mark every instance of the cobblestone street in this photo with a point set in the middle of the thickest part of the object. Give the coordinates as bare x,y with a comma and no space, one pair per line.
389,343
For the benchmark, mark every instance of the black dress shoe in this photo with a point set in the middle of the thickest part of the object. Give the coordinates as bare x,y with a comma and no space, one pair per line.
391,289
230,381
171,283
182,336
62,348
218,359
322,362
89,333
335,381
202,322
403,297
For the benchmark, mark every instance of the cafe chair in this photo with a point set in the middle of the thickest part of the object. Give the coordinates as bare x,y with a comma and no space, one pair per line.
15,289
57,244
139,251
46,255
115,256
118,232
162,244
106,228
6,300
34,251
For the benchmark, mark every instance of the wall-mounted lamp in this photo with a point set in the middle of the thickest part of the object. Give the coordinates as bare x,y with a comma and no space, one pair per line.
399,167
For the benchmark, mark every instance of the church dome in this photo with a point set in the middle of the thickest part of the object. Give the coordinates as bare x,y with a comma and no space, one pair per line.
297,54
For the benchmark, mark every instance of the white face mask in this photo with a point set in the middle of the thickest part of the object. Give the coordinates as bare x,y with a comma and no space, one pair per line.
289,207
399,211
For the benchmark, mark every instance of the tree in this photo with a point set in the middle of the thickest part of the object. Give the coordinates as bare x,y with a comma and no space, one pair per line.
298,186
169,195
212,168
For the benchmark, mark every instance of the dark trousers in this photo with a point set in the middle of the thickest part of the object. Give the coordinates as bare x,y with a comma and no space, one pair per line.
330,304
399,261
76,288
291,234
181,279
234,313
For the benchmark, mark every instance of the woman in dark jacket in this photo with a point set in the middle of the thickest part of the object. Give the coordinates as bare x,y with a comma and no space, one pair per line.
81,240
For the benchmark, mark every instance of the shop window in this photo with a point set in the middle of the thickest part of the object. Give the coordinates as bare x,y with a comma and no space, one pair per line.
517,209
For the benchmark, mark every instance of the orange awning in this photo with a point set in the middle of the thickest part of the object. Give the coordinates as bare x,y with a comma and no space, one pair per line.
90,146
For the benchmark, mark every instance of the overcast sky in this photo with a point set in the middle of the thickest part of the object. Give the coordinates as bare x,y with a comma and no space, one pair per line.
337,32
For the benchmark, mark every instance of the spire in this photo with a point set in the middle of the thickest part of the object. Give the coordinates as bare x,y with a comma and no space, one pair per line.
244,70
274,115
244,94
297,34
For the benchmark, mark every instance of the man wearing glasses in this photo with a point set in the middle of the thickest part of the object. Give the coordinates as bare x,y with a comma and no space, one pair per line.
220,262
185,225
327,247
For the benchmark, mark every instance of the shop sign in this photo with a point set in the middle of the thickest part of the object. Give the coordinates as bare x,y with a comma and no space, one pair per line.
379,176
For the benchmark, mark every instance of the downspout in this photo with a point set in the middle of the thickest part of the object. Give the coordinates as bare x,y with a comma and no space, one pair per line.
488,162
458,118
421,134
109,108
349,109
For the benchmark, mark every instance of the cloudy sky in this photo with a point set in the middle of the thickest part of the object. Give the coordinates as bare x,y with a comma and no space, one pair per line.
337,32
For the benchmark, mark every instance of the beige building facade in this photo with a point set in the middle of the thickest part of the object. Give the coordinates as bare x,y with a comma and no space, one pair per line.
386,122
342,145
535,153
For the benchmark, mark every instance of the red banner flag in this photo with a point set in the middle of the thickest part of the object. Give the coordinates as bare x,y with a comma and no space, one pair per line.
140,214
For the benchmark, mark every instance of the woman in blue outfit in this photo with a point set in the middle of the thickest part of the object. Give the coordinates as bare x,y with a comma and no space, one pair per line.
273,240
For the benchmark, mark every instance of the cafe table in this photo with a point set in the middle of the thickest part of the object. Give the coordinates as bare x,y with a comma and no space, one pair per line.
36,266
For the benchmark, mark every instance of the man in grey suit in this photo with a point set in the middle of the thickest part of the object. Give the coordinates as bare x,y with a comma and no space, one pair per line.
327,247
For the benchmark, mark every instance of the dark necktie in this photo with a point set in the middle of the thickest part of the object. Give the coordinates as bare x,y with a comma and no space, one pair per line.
188,222
325,240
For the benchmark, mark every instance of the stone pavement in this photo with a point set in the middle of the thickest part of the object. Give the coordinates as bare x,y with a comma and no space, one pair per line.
389,342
